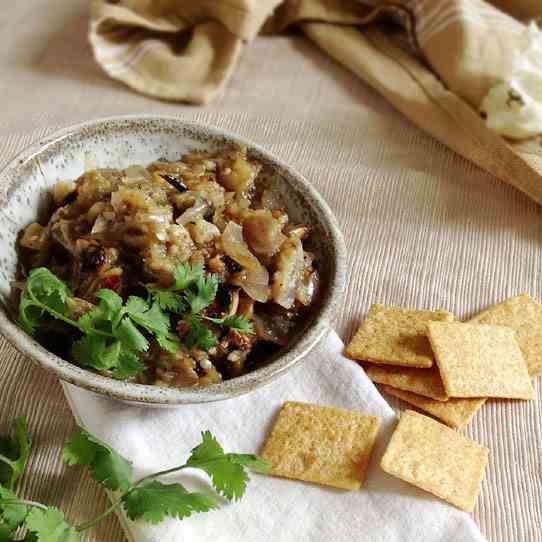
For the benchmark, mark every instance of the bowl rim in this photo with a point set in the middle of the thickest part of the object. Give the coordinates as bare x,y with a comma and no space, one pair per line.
155,395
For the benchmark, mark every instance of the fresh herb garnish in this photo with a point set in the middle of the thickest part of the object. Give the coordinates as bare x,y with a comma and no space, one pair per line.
49,525
235,322
14,452
115,332
192,292
202,294
147,499
226,471
44,294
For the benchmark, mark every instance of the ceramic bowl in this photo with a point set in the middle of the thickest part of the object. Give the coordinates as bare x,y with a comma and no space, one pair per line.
119,142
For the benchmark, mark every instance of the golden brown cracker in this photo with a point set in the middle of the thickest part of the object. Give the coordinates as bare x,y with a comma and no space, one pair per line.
323,445
395,336
433,457
426,382
479,360
524,315
456,413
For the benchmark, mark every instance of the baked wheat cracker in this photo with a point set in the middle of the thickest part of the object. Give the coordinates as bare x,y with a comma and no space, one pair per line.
426,382
395,336
456,413
324,445
524,315
435,458
479,360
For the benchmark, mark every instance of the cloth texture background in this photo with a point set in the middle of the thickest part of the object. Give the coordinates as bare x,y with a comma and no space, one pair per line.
436,69
273,508
424,227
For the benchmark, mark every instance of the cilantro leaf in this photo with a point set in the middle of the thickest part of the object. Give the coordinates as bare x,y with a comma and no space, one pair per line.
129,365
6,533
206,288
169,343
239,323
44,295
153,501
185,275
110,303
111,469
226,471
106,465
78,450
200,336
105,315
251,461
228,477
136,305
130,336
50,526
111,356
208,449
89,351
14,452
152,319
31,316
168,300
12,513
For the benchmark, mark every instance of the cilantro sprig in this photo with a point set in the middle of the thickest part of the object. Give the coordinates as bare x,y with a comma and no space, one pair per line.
192,292
152,500
112,335
14,451
147,498
115,332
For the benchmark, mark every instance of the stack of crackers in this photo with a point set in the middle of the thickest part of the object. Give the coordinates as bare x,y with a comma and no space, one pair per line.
447,368
441,366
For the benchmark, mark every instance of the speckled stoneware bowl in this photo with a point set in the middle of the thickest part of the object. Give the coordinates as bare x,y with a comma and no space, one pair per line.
119,142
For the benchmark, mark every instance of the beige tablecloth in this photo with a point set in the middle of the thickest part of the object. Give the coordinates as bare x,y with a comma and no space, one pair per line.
424,227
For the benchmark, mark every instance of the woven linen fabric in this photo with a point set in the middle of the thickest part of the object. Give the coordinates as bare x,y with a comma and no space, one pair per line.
424,227
436,70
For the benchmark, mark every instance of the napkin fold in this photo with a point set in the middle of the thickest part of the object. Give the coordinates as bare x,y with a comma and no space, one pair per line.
384,510
434,60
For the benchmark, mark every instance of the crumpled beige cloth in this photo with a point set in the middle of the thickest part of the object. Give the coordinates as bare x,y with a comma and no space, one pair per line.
434,60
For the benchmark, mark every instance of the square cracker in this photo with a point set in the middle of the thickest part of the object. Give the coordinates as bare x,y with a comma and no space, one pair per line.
456,413
426,382
395,336
324,445
434,457
479,361
524,315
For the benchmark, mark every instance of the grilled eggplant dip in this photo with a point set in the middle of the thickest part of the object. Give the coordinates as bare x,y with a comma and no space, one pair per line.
179,274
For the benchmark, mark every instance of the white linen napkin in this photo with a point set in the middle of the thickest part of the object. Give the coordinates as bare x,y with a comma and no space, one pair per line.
384,510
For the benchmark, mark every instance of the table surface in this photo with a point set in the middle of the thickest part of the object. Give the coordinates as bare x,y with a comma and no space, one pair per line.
424,228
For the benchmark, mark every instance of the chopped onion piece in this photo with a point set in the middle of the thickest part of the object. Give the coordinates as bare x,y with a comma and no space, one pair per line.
289,273
235,247
198,210
254,279
100,225
255,284
263,233
136,173
307,289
